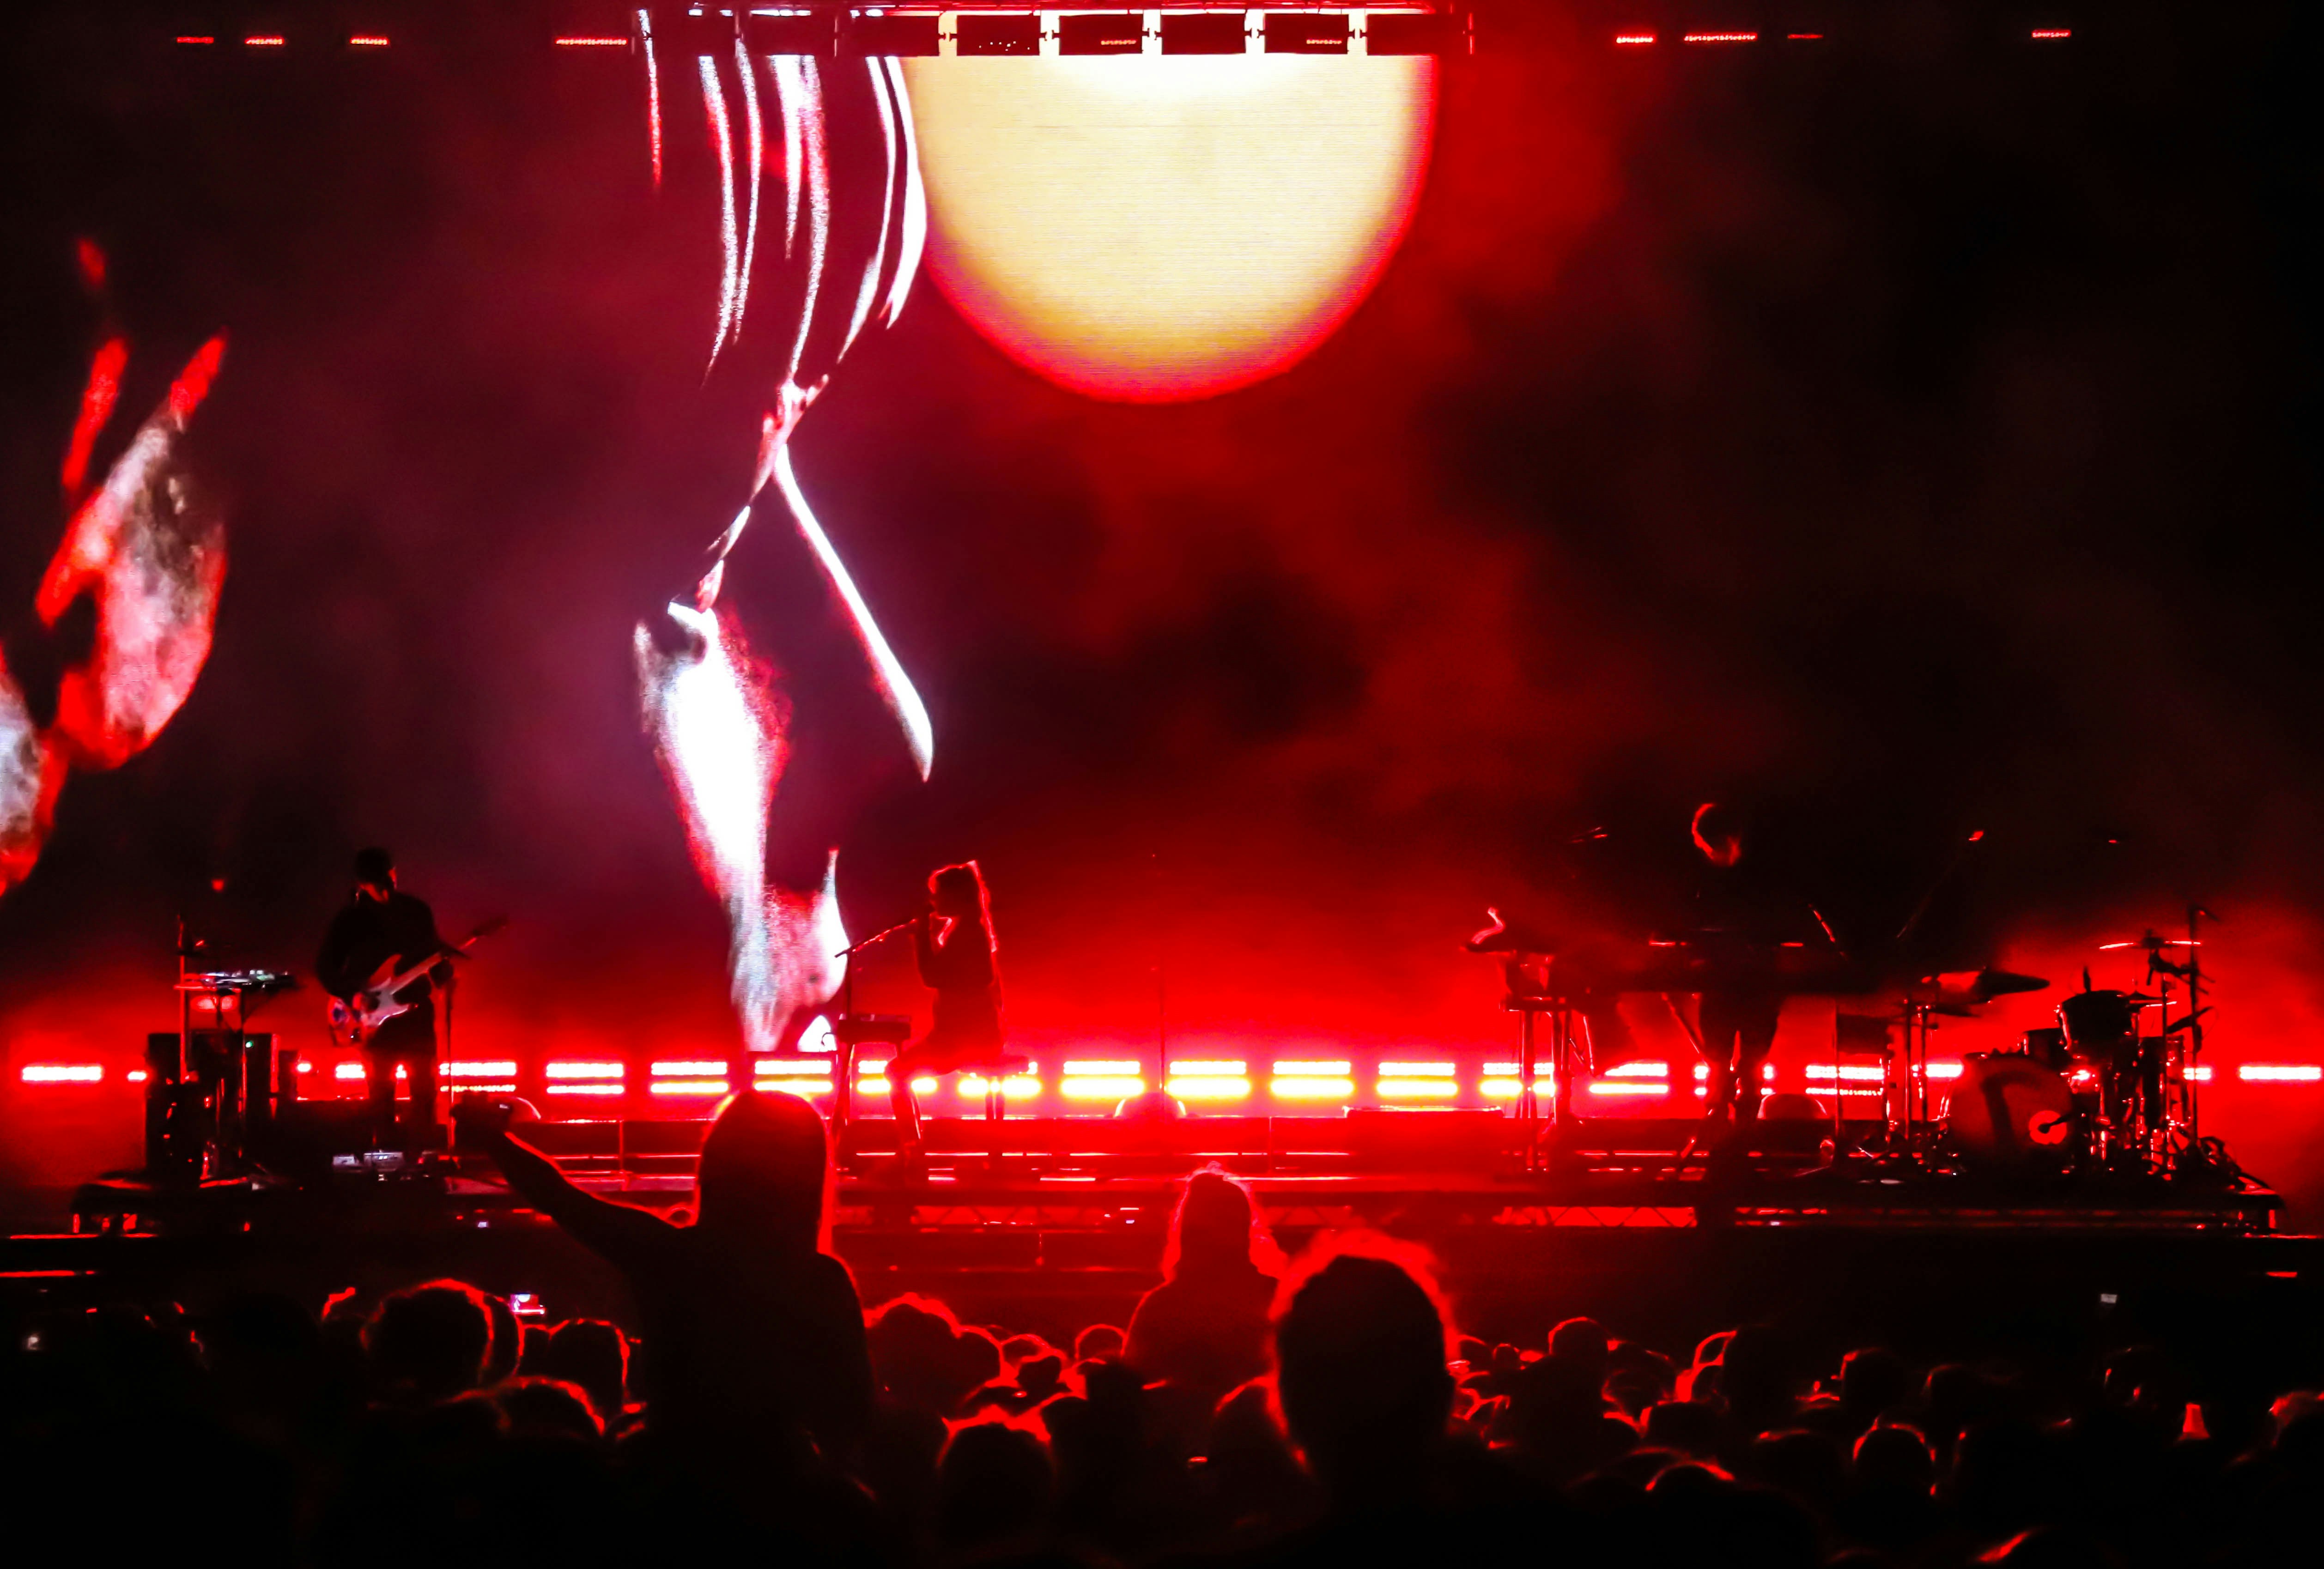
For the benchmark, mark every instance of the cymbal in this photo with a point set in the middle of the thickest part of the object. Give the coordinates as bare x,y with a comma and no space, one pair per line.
2151,942
1505,935
1955,991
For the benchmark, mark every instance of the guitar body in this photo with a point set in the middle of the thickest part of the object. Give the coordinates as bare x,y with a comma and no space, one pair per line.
353,1022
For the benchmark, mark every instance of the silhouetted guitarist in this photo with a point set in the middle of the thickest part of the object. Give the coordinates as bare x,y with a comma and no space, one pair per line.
379,924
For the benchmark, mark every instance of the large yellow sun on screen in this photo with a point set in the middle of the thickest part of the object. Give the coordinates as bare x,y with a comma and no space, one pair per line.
1162,227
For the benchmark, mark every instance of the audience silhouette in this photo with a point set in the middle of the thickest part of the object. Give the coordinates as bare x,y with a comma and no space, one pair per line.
770,1418
759,1353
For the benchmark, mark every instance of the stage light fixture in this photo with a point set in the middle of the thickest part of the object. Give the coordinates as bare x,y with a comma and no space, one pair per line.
868,35
1101,33
61,1073
1414,33
1719,38
1417,1089
697,32
978,34
1306,31
1098,1087
1634,39
1018,1087
1310,1087
1208,1089
1204,32
812,33
367,42
692,1088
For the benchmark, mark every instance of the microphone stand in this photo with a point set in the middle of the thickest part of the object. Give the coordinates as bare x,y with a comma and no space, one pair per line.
843,1102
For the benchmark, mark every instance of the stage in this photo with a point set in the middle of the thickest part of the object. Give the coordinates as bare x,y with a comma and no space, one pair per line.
1067,1225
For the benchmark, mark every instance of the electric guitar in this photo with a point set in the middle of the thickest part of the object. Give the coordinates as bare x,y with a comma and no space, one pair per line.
355,1022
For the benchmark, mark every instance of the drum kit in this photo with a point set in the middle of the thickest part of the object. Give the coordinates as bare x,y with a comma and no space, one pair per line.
2112,1087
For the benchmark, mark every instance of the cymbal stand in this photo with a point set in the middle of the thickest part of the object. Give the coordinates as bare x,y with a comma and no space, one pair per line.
1909,1124
2190,1076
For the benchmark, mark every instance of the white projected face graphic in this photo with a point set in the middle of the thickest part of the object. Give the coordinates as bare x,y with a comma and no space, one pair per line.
1163,227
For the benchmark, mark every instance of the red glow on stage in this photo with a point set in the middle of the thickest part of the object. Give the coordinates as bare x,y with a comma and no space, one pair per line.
693,1088
2280,1072
97,399
61,1073
91,257
2052,32
592,43
1720,38
1802,37
1634,39
265,41
193,42
367,40
654,85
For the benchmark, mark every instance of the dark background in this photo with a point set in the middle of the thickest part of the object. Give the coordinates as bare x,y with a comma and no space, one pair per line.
1908,435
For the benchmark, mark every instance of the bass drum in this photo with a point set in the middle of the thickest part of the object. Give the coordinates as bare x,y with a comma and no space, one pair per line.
2007,1109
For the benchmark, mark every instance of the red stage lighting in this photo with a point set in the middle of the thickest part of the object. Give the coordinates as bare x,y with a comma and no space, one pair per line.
1719,38
1408,32
1204,33
61,1073
977,35
1308,32
1115,32
868,36
1633,40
